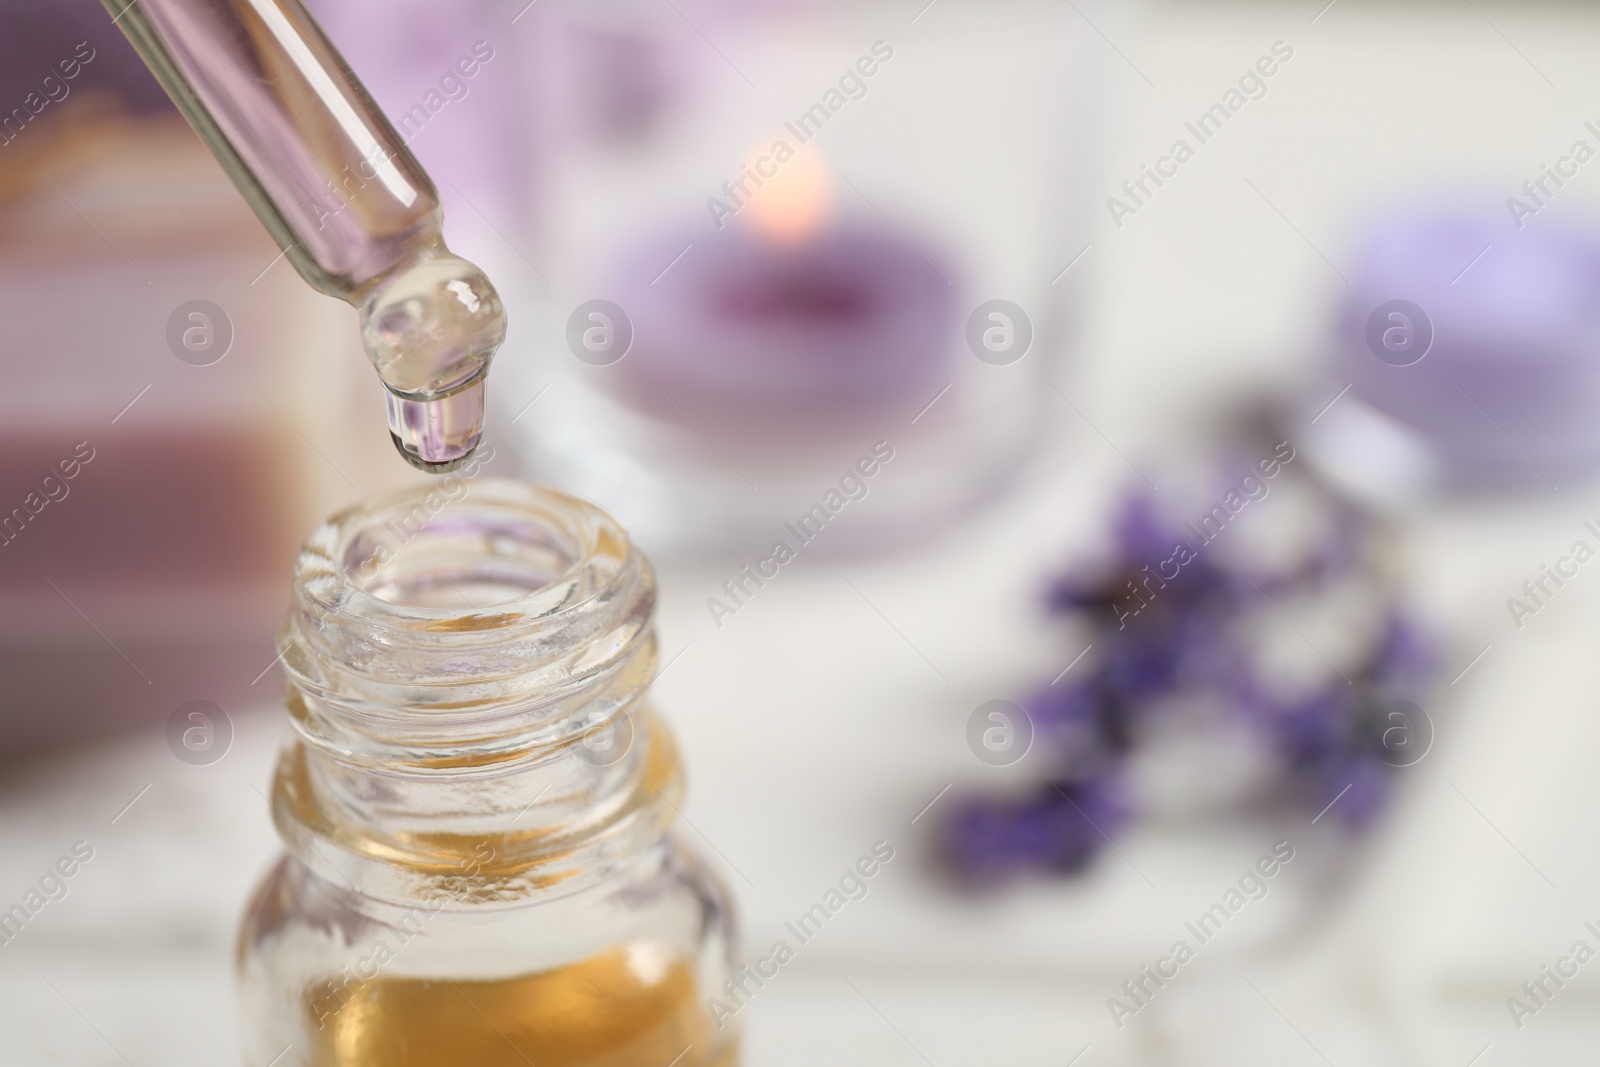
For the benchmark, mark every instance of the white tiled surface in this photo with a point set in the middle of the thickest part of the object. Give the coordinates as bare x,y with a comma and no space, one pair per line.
812,729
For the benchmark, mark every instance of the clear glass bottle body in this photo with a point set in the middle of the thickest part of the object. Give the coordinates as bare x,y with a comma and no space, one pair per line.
477,803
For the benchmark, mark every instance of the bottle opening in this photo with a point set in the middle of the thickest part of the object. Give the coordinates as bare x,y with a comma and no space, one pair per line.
464,545
474,588
445,561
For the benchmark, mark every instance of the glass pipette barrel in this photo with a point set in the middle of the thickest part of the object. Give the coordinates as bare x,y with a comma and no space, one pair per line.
345,199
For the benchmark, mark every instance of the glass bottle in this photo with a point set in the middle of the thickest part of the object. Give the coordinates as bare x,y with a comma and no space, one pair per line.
477,801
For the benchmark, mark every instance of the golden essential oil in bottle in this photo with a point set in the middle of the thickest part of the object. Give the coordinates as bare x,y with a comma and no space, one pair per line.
634,1004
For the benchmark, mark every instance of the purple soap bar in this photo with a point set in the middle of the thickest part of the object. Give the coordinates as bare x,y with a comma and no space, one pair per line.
1482,341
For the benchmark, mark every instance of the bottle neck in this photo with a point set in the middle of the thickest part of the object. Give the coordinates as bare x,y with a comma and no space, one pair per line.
468,668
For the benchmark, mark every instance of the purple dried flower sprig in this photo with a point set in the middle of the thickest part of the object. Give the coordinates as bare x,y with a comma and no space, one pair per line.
1057,826
1164,617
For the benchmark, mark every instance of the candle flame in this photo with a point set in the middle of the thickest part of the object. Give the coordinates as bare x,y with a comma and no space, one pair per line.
793,203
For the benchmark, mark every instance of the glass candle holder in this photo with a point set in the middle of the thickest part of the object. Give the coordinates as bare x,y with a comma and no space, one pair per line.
774,235
477,803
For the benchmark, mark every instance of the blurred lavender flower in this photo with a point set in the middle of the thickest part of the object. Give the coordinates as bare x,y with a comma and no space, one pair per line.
1165,613
1057,827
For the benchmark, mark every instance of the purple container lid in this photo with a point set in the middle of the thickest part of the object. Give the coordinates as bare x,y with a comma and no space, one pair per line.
1504,388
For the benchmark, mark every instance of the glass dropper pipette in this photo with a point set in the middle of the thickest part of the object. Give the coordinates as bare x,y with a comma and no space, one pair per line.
345,199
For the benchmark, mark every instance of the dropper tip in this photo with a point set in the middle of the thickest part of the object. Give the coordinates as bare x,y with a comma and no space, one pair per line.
437,436
429,466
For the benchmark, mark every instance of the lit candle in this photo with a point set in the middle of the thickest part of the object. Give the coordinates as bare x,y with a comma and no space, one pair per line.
786,324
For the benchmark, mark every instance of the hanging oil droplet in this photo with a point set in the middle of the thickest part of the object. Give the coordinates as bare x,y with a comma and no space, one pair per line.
432,322
437,436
